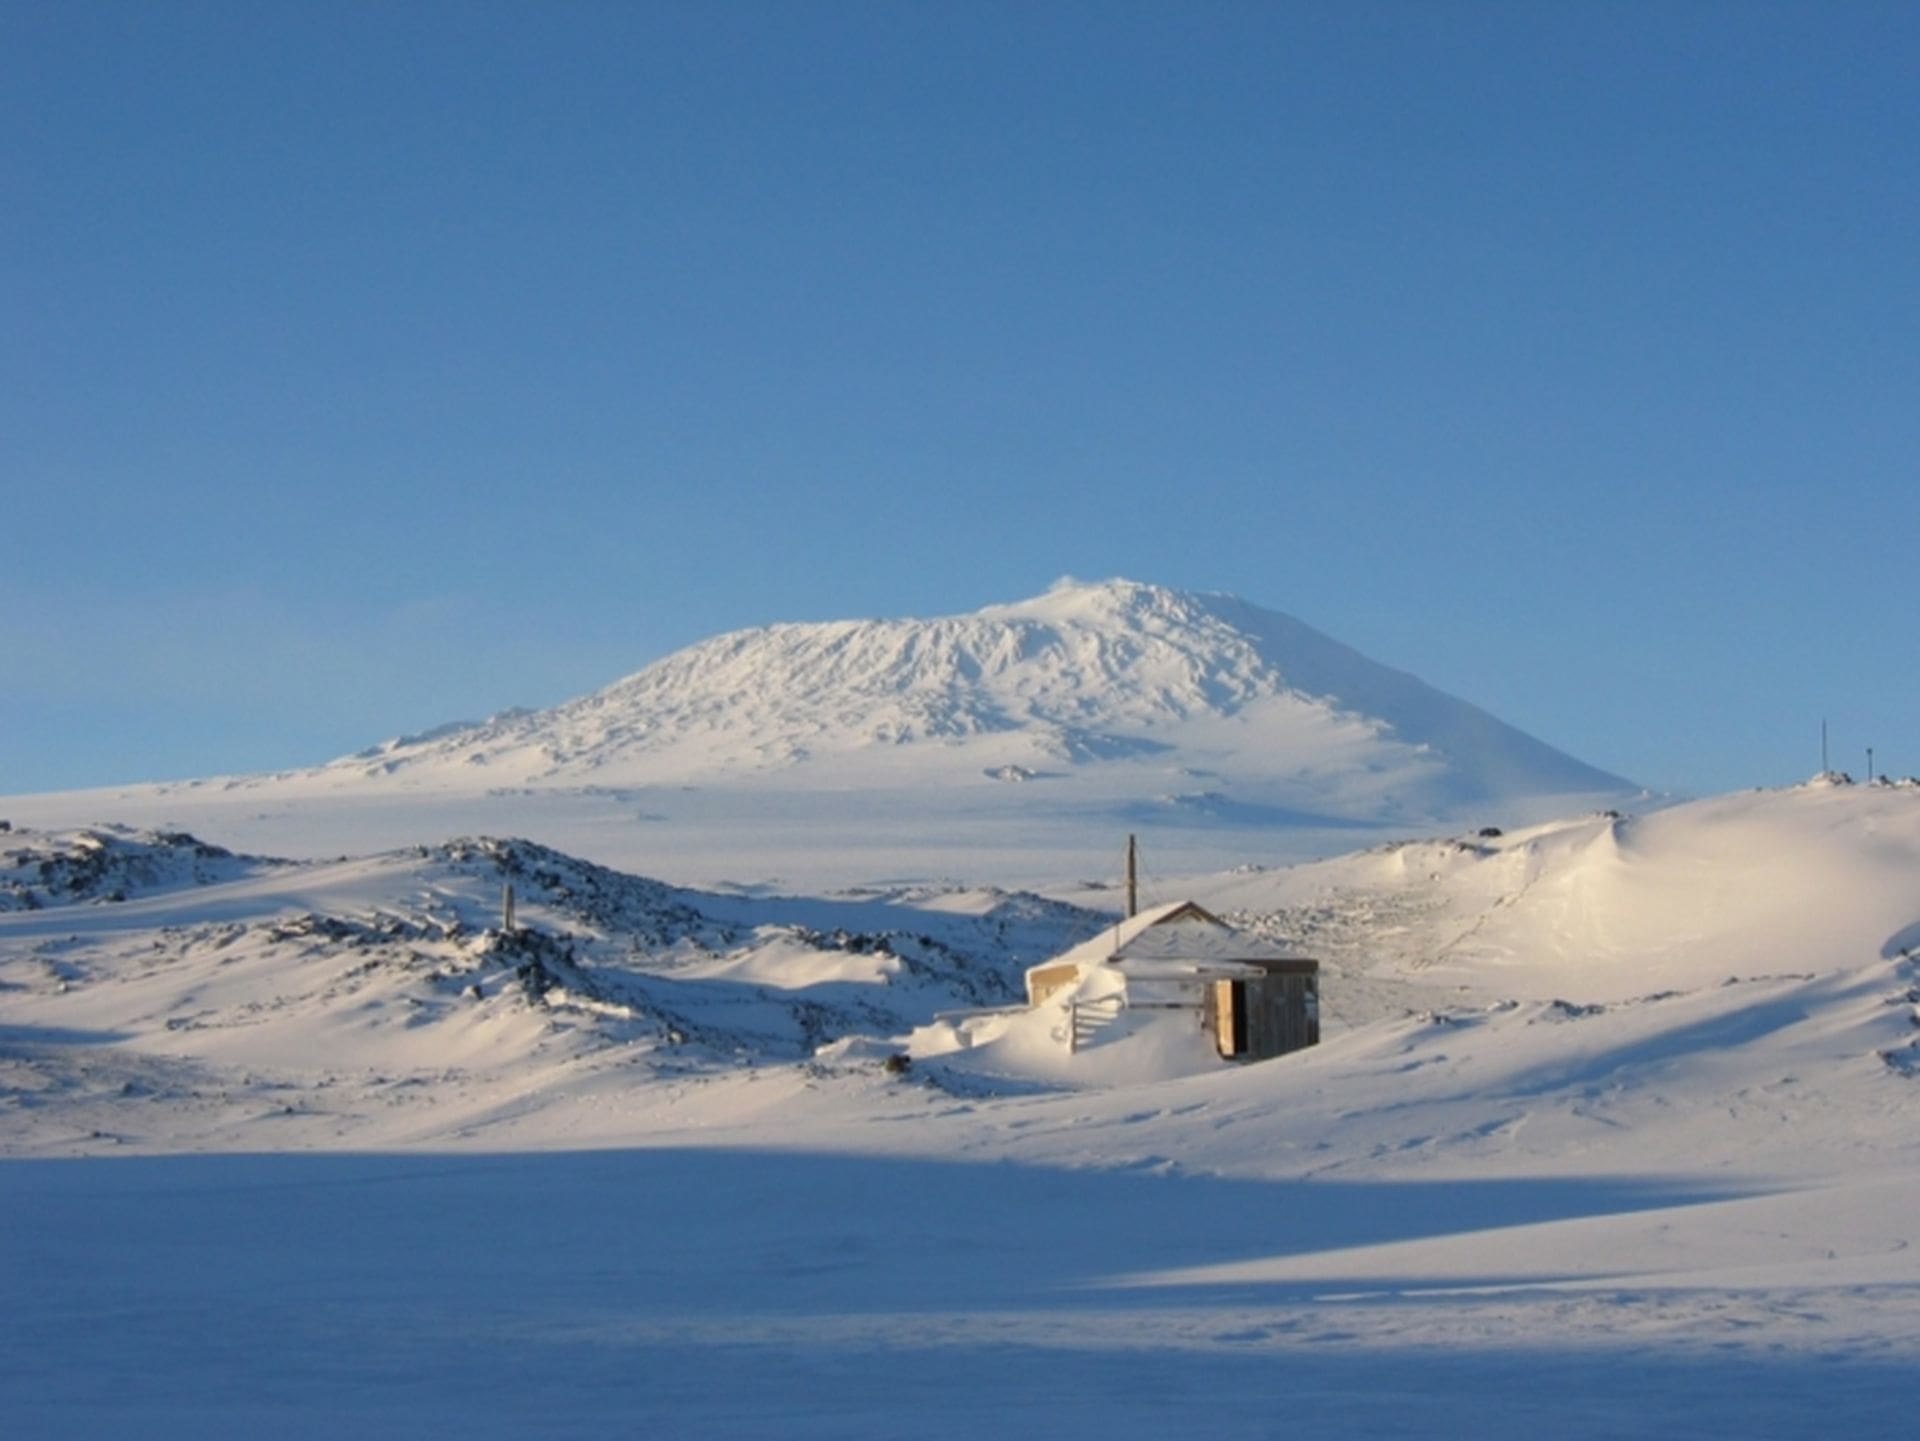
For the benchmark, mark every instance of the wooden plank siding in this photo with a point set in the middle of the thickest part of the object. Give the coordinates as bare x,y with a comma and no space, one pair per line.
1265,1016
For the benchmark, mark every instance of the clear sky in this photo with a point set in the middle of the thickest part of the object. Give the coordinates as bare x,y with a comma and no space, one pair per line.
366,365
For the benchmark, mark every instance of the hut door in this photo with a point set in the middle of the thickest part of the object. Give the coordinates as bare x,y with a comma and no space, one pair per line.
1230,1017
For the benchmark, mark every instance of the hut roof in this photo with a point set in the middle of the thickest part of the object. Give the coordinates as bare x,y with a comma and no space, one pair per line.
1178,932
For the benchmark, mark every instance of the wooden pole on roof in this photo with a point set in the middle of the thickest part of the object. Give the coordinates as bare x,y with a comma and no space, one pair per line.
1133,879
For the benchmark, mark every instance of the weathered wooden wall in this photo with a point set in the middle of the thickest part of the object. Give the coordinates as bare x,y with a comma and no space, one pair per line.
1266,1016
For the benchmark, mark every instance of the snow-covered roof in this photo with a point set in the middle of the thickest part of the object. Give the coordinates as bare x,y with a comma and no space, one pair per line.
1179,931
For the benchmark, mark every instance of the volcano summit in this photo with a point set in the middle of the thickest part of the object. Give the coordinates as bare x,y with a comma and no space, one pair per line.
1238,732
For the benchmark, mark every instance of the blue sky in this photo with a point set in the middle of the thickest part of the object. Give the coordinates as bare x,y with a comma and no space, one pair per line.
368,366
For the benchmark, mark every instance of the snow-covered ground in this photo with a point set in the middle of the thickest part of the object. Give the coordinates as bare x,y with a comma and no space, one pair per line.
1613,1132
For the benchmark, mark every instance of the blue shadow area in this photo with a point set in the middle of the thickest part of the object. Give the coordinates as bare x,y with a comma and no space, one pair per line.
695,1292
20,1038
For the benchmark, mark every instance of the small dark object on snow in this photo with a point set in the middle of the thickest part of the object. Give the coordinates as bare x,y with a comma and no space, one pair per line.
1489,832
898,1064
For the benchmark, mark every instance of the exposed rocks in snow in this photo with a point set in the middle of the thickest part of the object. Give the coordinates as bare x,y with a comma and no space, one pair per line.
399,960
109,863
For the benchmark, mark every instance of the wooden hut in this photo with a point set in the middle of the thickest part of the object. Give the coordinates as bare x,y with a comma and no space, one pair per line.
1254,999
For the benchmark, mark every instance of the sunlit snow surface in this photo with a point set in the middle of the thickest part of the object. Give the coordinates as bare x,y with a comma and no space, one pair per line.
1613,1132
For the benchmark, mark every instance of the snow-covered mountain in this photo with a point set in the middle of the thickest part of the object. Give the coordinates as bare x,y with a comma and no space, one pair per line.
1085,675
1014,745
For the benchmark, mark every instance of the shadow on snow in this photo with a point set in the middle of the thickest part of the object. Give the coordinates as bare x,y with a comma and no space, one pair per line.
707,1292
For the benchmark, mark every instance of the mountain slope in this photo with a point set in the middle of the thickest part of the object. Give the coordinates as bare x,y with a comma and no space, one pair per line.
1014,744
1084,675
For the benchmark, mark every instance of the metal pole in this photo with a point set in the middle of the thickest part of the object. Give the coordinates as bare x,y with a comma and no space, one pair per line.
1133,880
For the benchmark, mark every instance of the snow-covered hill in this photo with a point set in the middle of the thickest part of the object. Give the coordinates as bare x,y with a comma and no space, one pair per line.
1013,744
1780,917
230,990
1781,922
